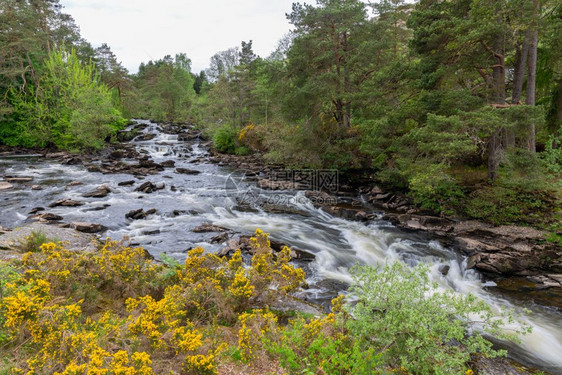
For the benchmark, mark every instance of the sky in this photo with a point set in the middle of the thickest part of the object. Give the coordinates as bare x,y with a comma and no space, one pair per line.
142,30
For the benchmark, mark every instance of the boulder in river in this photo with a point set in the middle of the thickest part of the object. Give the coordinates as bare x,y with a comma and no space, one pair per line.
36,210
116,155
65,202
5,185
219,238
139,214
48,217
17,179
168,164
99,192
187,171
148,187
126,183
148,137
206,228
87,227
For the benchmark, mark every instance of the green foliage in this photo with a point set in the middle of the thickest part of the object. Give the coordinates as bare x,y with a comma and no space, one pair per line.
434,189
415,325
163,90
552,156
501,205
70,109
224,139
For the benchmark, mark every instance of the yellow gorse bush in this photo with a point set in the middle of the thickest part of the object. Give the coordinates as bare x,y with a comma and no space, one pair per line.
113,311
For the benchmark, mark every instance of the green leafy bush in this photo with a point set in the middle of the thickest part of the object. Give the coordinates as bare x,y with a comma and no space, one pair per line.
434,189
416,326
224,139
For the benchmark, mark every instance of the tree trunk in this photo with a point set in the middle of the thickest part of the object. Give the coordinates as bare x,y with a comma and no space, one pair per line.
520,67
558,118
495,149
532,74
494,154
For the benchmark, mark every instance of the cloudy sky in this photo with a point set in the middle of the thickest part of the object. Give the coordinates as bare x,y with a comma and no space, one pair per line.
142,30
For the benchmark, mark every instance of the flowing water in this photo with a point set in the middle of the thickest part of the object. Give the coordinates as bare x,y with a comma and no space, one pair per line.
188,201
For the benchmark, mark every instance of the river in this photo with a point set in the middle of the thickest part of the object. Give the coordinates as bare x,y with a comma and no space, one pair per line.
188,201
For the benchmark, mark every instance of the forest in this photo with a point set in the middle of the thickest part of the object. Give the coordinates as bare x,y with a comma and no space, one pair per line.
457,104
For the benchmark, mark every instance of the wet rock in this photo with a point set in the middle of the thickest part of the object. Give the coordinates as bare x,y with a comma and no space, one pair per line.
219,238
178,212
148,136
151,232
231,246
363,216
116,154
65,202
49,217
98,208
55,155
127,135
36,210
426,223
268,184
149,164
168,164
87,227
136,214
206,228
321,198
94,169
71,160
190,136
139,214
342,210
99,192
17,179
187,171
5,185
444,269
36,187
126,183
148,187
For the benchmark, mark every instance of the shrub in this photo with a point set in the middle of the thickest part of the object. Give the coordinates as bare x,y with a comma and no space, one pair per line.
115,311
435,190
224,139
414,325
